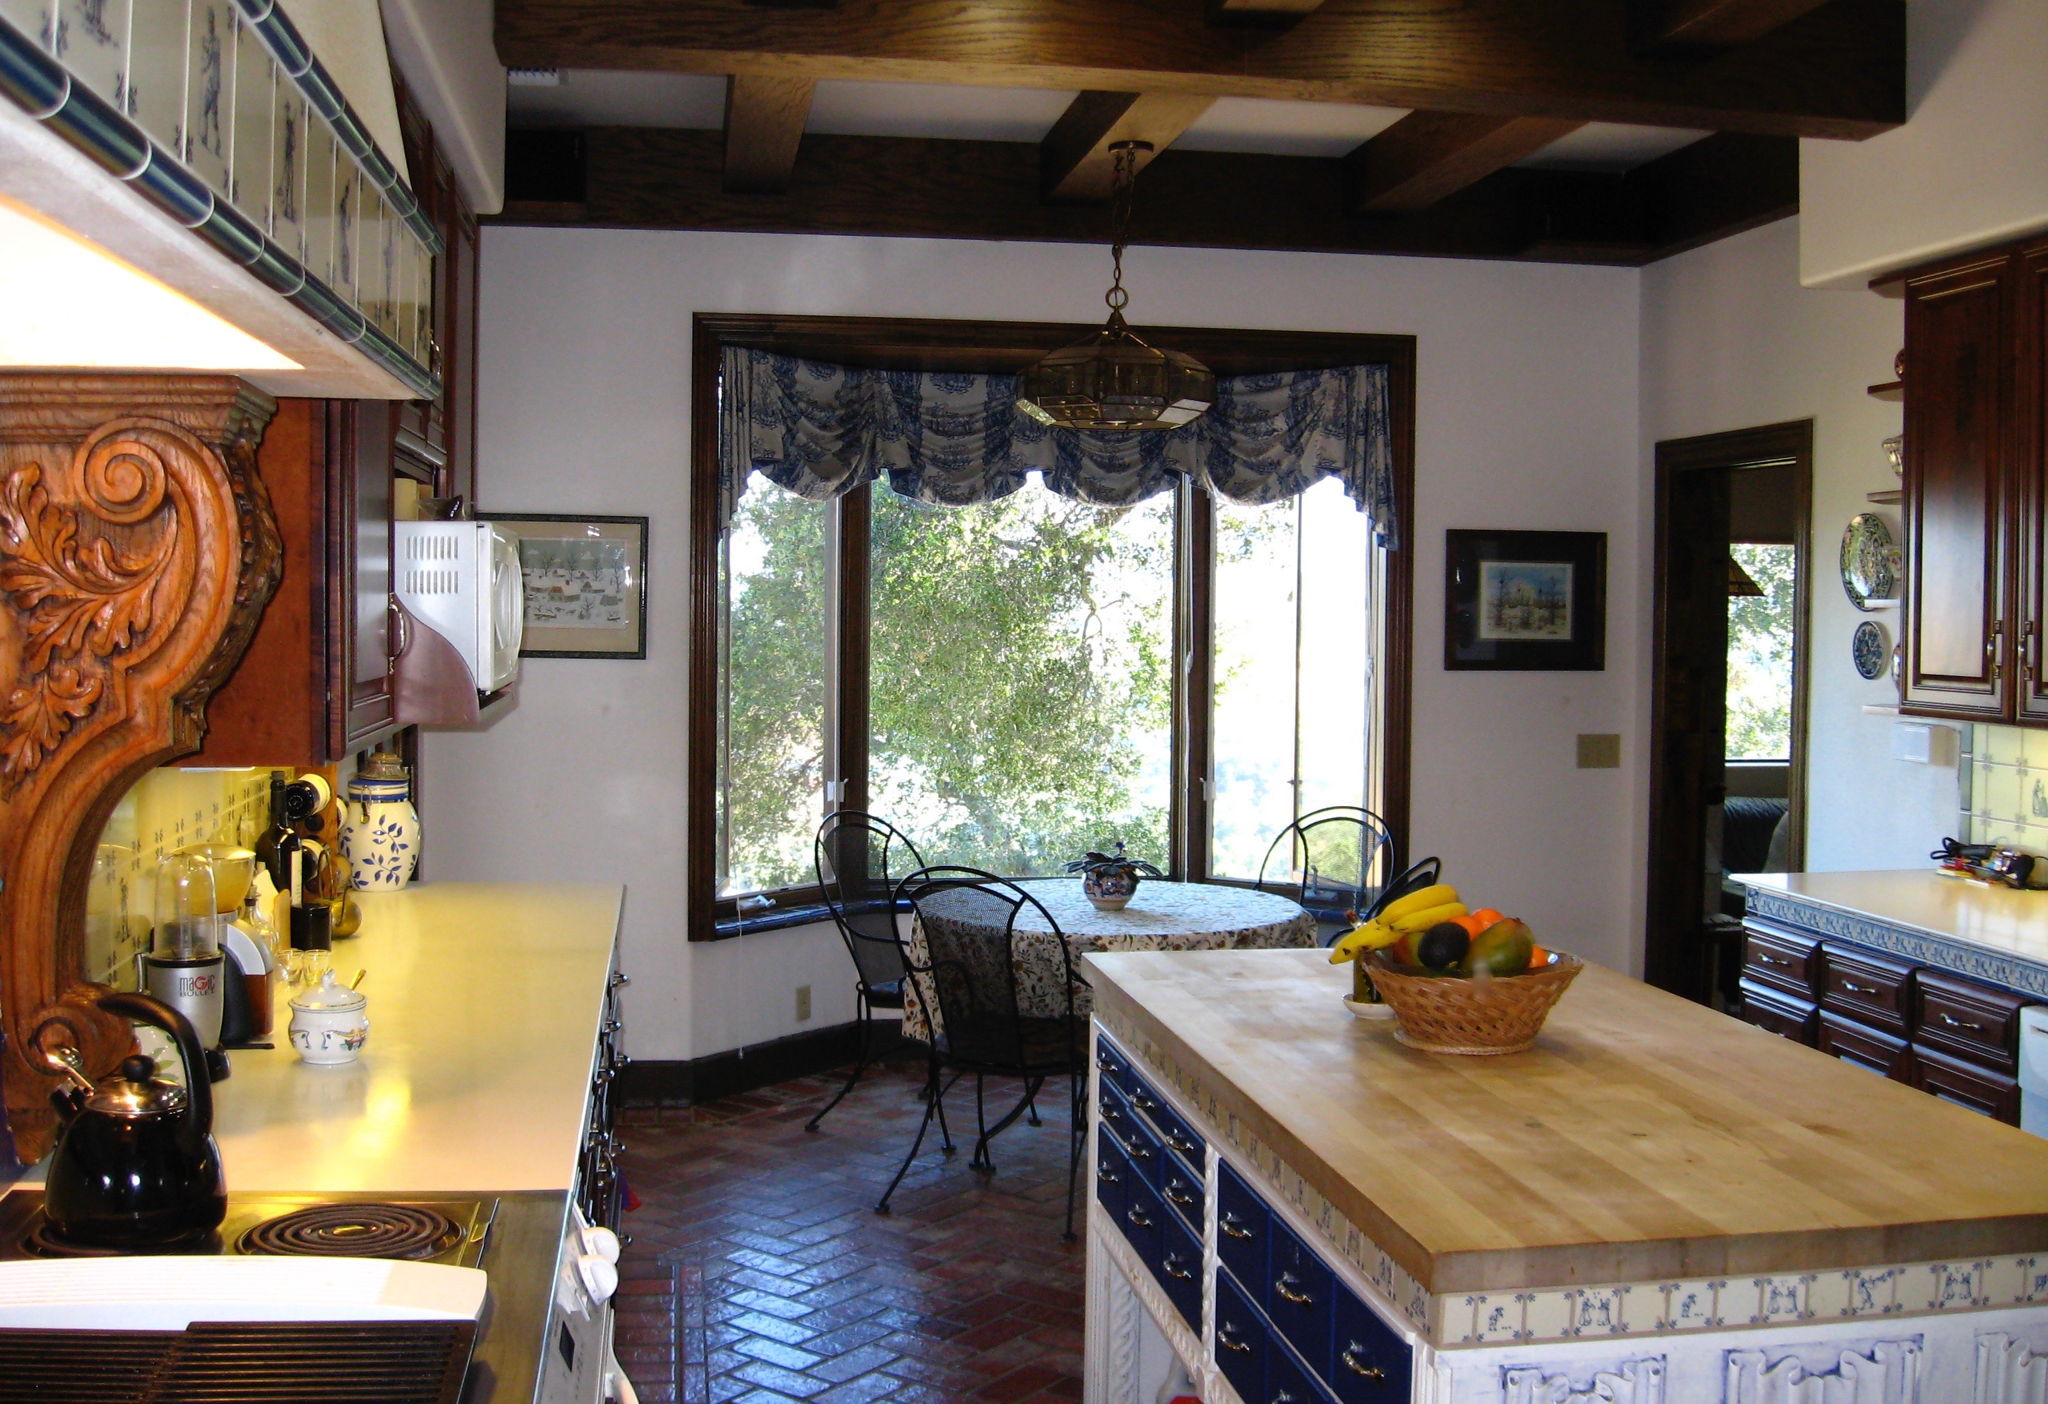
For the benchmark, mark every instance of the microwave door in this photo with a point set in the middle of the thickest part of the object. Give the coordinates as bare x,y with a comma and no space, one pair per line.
508,608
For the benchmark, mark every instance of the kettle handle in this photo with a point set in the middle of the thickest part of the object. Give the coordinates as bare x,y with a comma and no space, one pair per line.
198,1122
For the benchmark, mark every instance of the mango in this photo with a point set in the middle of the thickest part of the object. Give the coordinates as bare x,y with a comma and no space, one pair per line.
1502,949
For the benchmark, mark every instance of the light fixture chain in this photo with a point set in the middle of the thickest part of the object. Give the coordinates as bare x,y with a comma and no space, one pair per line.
1123,181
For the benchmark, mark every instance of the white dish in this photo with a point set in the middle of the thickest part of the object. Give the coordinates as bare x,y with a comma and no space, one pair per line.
1368,1011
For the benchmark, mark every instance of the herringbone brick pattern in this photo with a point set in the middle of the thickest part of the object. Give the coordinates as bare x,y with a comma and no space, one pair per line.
759,1271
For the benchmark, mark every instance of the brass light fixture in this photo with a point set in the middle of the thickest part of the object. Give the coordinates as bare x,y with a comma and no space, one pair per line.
1115,379
1740,583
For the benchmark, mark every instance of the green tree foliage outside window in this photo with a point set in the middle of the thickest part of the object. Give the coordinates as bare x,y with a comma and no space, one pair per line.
1759,712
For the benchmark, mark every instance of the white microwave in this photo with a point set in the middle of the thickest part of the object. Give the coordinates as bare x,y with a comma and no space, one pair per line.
462,580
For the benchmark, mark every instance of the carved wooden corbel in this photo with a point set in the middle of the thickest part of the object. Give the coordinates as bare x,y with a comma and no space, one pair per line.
137,550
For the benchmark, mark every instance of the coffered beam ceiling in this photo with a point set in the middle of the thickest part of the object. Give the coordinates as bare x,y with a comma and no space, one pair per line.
764,122
1488,83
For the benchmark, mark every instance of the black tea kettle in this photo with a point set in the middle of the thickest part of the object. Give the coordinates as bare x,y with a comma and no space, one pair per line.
135,1165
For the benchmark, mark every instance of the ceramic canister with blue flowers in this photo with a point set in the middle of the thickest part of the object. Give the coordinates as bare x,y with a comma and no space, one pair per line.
380,830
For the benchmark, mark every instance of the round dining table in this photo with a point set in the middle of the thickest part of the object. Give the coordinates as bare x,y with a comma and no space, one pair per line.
1161,916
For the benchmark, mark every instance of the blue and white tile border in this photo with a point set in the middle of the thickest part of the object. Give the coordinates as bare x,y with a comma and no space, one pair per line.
1549,1315
376,297
1923,947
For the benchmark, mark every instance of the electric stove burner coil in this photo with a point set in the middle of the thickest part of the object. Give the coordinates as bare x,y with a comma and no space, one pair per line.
355,1231
43,1241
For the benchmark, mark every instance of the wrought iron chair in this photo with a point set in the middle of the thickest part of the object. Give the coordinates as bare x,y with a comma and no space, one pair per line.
1331,860
984,1024
859,857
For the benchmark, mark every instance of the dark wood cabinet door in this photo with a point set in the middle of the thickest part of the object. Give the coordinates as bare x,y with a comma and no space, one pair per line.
360,585
2030,415
1862,1046
1959,642
1982,1089
1778,1012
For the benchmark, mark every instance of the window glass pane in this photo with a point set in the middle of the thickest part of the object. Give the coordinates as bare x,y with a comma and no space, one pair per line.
1020,693
1760,657
773,727
1291,686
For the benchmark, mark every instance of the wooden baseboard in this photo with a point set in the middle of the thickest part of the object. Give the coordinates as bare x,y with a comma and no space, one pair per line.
680,1082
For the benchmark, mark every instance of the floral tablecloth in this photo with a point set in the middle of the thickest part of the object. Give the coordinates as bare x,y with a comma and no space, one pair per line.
1163,916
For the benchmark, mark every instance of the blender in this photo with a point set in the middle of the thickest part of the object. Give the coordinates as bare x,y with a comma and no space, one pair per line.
184,967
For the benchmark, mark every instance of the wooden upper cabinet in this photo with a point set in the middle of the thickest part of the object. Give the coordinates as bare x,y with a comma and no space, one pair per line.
2030,404
1957,485
439,436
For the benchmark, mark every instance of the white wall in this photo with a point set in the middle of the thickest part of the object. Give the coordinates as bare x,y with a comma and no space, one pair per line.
1527,418
1970,166
1730,340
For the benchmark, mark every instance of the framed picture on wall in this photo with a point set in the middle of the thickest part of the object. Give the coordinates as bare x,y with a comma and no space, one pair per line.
1528,600
586,583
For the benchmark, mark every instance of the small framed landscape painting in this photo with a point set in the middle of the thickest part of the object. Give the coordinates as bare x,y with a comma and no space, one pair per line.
1529,600
586,584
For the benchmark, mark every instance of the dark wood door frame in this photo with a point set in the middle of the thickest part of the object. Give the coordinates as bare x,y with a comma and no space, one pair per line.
1672,954
928,344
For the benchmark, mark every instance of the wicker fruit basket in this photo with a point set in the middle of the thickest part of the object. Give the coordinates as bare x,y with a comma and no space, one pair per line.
1446,1014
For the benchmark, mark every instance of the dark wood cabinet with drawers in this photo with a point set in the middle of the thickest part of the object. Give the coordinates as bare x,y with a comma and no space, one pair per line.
1951,1037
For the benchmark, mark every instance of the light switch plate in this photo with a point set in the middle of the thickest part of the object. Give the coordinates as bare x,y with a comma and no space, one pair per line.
1599,750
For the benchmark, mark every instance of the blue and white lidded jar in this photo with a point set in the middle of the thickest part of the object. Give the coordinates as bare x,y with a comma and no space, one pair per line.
380,830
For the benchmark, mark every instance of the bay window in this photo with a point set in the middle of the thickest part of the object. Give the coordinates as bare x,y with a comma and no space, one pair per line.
1016,679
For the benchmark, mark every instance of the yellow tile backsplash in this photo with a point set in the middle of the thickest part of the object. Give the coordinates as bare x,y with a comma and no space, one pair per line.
168,809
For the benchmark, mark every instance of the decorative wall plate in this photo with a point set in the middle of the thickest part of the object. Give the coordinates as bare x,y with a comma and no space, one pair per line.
1869,569
1868,648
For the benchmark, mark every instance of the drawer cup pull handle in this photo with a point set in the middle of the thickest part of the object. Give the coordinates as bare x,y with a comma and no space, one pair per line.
1284,1286
1230,1342
1187,1147
1953,1022
1233,1227
1179,1274
1135,1217
1853,988
1763,958
1175,1195
1352,1363
1106,1175
1143,1103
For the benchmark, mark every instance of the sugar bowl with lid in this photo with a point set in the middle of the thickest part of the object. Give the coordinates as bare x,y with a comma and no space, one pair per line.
330,1022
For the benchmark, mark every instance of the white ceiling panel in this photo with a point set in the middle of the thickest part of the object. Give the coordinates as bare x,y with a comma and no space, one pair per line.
1276,128
847,108
589,97
1609,146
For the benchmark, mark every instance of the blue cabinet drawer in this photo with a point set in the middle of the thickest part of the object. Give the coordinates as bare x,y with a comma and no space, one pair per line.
1180,1269
1141,1220
1370,1364
1111,1063
1242,1223
1241,1341
1287,1382
1113,1174
1174,1130
1299,1295
1181,1188
1113,1110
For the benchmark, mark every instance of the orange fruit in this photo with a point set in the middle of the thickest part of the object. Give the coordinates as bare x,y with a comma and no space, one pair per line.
1473,922
1538,957
1487,916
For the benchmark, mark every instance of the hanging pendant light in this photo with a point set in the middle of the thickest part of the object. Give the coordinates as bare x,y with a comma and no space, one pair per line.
1116,379
1739,581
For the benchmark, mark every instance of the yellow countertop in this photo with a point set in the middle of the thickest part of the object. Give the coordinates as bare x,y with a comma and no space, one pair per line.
484,1002
1644,1138
1997,918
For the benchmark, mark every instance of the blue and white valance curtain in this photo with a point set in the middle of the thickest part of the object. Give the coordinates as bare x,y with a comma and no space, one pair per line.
951,439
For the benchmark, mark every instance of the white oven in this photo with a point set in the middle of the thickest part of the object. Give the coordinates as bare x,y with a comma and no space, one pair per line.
577,1364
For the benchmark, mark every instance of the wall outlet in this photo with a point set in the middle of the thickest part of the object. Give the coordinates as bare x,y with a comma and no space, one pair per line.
1599,750
803,1003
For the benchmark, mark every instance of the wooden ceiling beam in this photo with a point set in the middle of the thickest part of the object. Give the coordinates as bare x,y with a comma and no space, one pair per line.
1270,14
1718,186
1075,161
1713,24
1427,156
764,122
1836,71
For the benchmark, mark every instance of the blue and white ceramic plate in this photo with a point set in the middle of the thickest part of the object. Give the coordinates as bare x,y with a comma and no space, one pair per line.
1870,650
1869,561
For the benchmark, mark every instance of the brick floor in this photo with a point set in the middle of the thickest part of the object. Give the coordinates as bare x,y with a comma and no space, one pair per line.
759,1272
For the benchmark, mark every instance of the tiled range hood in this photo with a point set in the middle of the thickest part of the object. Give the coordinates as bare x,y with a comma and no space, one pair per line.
202,142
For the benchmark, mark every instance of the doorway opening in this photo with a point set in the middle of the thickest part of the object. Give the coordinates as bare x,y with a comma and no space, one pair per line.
1728,694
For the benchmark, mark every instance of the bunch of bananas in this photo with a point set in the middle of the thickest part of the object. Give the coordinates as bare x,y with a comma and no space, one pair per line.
1416,912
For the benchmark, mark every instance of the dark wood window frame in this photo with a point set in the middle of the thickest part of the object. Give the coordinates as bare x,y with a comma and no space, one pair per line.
927,344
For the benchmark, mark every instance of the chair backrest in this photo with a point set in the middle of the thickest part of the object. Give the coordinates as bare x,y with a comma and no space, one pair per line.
1331,859
972,972
860,859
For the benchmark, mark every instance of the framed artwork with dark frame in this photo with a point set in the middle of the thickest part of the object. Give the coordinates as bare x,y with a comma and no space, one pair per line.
586,583
1527,600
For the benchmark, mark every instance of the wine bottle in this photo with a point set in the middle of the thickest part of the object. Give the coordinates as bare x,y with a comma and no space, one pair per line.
277,843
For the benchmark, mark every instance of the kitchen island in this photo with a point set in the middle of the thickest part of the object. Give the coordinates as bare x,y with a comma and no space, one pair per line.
486,1003
1655,1203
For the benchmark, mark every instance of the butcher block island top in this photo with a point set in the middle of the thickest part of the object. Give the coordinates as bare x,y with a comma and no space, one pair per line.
1643,1139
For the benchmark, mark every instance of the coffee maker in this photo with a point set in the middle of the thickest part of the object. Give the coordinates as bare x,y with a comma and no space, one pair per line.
183,966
